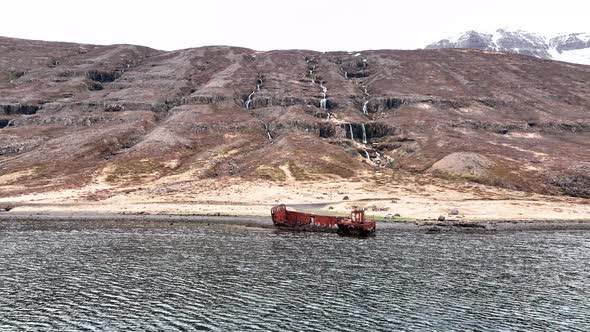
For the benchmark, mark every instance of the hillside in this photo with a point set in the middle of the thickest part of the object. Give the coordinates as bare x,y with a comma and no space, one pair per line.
123,116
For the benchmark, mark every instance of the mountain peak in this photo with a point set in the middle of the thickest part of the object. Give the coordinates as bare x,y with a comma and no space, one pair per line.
568,47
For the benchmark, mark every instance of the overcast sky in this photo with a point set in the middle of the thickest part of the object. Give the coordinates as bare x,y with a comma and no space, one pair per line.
282,24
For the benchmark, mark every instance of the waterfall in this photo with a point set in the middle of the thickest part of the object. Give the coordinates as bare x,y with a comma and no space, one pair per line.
267,128
346,75
351,133
249,100
258,87
329,116
365,110
364,134
324,100
367,154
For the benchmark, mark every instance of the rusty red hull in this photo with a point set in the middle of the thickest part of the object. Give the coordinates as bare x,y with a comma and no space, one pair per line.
355,225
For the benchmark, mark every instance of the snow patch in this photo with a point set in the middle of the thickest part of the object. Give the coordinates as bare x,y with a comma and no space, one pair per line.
581,56
523,42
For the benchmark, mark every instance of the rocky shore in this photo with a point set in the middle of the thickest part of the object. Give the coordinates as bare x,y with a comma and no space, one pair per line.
428,226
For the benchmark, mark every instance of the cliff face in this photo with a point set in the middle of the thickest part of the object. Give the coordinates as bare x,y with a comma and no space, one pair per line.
69,112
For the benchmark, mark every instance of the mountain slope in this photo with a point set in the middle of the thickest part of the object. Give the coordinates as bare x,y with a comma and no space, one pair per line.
129,115
574,47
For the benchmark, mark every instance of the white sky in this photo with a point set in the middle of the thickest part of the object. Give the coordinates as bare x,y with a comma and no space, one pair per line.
280,24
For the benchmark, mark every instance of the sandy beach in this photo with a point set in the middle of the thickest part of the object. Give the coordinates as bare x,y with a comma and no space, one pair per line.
416,200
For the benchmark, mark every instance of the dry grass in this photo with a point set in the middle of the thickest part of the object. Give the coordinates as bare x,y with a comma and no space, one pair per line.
270,173
132,170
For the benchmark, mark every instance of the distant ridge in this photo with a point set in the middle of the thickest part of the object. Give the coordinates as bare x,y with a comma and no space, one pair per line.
568,47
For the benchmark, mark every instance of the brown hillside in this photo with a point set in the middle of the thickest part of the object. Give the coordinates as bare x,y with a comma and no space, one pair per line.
68,111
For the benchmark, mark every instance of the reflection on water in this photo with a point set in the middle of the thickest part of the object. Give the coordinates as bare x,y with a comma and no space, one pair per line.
157,276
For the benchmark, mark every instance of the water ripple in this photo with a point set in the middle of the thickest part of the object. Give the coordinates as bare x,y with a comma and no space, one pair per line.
72,276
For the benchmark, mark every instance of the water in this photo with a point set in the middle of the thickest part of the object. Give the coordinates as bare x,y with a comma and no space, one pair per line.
324,100
324,90
351,132
158,276
365,108
364,133
249,100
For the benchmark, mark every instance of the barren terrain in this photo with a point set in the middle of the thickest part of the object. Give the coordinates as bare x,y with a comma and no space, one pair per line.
128,129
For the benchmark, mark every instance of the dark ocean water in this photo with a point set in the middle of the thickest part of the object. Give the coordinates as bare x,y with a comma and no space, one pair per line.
71,276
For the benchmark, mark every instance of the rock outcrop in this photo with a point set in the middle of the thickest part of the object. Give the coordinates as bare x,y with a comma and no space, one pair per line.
575,181
463,164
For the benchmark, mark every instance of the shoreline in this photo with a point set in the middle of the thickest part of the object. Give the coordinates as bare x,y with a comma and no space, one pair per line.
410,198
429,226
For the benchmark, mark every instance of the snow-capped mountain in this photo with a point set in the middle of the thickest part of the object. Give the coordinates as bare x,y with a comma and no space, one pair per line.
573,47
